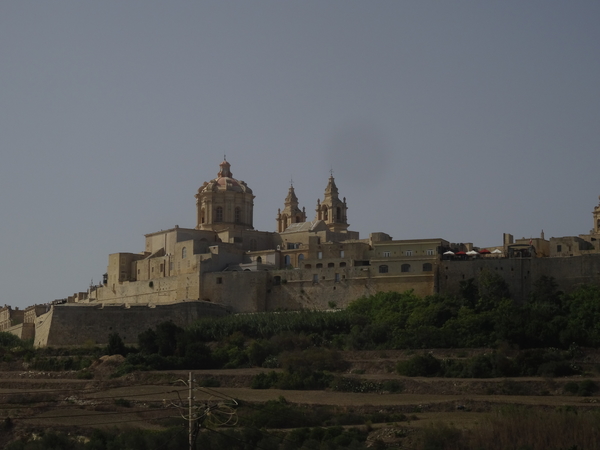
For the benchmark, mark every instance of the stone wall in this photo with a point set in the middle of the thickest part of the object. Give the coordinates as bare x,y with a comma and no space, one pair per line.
297,288
521,273
23,331
71,324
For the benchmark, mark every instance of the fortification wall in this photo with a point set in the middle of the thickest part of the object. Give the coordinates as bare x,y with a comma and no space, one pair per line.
72,324
23,331
159,290
241,292
302,292
521,273
298,288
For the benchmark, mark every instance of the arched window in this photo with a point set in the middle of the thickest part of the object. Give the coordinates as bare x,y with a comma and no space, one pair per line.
338,214
342,264
184,253
287,260
427,267
383,269
325,213
405,268
238,215
219,214
202,216
319,266
300,259
259,260
297,219
330,265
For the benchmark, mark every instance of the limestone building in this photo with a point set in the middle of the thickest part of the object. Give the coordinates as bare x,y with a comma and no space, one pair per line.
223,265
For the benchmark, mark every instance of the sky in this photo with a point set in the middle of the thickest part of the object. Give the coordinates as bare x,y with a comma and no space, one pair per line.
459,120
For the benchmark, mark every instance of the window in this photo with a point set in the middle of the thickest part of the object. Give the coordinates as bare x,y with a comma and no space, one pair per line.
383,269
300,259
319,255
307,266
405,268
184,253
342,264
219,214
559,248
259,260
319,266
338,214
238,215
427,267
287,260
330,265
387,254
219,280
342,254
336,278
315,278
276,281
408,252
430,252
325,213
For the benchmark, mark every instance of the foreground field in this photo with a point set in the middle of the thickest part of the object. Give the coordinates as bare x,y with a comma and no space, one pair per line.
33,401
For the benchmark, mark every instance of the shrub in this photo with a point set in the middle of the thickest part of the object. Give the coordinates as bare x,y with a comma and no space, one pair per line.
420,366
587,388
123,402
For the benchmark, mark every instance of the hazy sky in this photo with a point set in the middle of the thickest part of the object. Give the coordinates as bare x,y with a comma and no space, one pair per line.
453,119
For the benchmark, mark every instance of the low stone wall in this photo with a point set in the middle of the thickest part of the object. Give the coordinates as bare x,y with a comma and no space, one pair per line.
76,324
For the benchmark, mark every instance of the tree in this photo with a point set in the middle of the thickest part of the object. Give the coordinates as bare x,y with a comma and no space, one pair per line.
115,345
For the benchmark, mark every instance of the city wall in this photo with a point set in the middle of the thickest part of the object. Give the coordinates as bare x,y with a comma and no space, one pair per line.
71,324
295,289
521,273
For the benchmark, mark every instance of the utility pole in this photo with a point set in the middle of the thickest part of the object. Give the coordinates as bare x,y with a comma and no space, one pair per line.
190,411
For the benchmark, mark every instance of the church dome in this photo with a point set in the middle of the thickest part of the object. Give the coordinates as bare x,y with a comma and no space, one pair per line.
225,182
224,203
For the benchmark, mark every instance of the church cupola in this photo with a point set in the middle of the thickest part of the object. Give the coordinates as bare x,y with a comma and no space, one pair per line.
332,210
224,202
291,212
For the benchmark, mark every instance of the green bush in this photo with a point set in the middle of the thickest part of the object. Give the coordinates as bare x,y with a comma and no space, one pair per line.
420,366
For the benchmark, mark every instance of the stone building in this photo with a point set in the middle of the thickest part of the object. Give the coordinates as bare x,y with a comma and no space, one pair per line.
223,265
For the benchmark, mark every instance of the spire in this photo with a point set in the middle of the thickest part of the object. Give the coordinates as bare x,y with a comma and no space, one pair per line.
291,213
332,210
291,199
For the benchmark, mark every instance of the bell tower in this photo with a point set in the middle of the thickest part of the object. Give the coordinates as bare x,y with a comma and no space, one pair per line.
332,210
291,213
